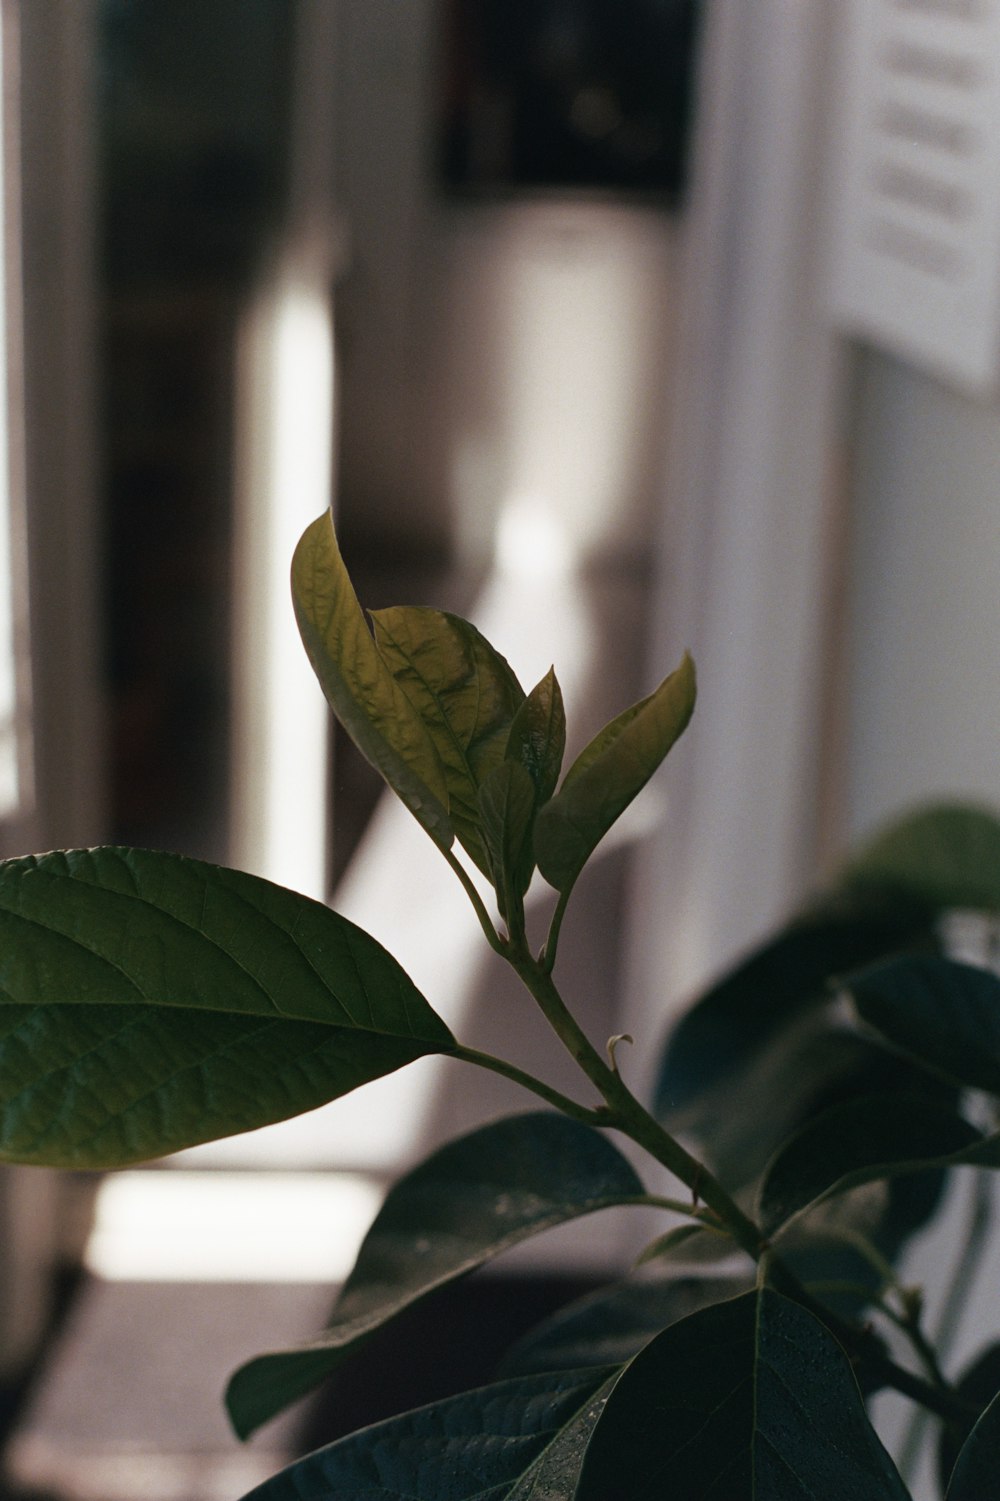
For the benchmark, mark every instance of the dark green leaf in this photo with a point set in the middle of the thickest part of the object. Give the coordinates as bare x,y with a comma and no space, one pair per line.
784,978
608,774
856,1142
507,809
465,693
611,1326
943,1014
945,855
475,1447
979,1384
804,1070
554,1474
974,1477
359,687
751,1398
538,736
468,1202
150,1002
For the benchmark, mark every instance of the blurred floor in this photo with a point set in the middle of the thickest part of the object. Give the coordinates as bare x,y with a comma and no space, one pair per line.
131,1402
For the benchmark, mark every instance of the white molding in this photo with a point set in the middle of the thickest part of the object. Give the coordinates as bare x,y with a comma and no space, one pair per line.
745,522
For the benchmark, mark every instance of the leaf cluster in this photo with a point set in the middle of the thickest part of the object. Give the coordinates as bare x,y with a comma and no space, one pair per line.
812,1104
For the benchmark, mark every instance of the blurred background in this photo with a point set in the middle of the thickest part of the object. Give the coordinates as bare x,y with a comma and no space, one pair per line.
538,294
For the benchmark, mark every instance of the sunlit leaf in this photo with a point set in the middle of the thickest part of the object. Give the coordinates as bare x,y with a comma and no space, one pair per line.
150,1002
359,687
944,855
750,1398
608,774
468,1202
465,693
944,1014
538,736
519,1434
859,1141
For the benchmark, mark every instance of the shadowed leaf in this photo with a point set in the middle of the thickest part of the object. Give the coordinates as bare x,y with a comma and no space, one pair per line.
525,1434
943,856
612,1325
747,1398
758,998
974,1477
978,1385
859,1141
554,1474
943,1014
463,1206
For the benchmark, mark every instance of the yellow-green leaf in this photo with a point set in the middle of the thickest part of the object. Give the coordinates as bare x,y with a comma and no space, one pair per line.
359,687
608,774
538,736
464,692
507,805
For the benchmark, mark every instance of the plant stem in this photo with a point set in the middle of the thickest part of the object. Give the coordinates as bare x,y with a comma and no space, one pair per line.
493,938
590,1116
922,1346
973,1244
626,1113
548,955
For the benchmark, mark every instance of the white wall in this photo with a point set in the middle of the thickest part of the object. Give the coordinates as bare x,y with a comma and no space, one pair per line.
925,584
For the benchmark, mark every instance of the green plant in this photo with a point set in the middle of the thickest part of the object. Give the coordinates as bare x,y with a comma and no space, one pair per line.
151,1002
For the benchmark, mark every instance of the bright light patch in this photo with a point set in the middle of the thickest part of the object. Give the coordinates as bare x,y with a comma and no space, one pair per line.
165,1226
285,469
13,719
531,544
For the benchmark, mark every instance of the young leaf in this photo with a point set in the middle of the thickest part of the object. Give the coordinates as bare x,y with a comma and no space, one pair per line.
859,1141
943,1014
974,1477
495,1444
358,685
465,693
507,808
538,736
468,1202
943,856
608,774
748,1398
152,1002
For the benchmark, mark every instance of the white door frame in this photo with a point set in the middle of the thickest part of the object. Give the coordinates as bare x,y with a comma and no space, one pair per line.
746,525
